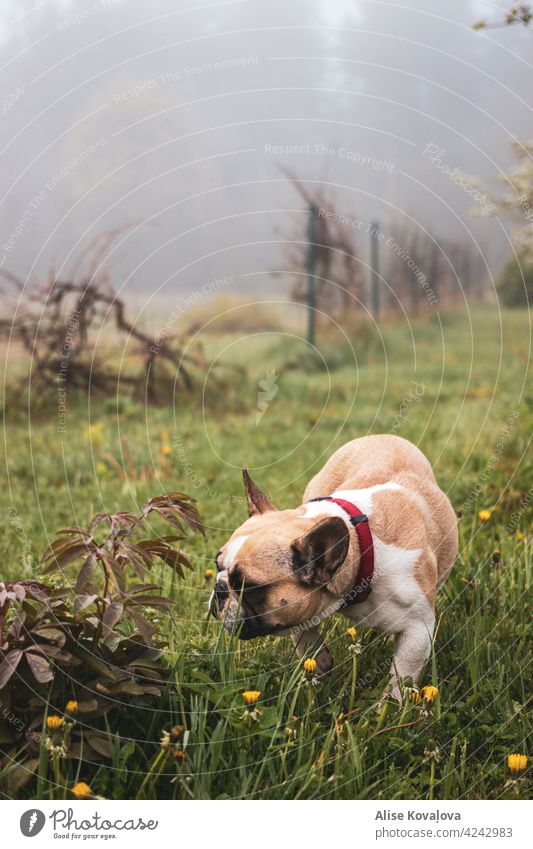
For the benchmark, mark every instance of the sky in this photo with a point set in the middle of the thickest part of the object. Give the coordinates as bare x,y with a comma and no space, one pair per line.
178,121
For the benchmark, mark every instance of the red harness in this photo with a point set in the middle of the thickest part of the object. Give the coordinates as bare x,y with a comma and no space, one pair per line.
359,520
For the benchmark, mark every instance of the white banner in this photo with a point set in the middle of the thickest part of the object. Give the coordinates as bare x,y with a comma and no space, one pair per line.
258,825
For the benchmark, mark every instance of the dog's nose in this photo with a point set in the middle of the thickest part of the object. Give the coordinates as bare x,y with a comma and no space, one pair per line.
220,594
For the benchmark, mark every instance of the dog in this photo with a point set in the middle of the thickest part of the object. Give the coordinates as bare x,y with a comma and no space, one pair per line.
374,539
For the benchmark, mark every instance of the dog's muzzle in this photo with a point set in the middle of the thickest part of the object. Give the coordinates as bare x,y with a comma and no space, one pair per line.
219,596
234,614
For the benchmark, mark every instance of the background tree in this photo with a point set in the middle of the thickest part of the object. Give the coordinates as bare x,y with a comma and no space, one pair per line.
522,13
336,254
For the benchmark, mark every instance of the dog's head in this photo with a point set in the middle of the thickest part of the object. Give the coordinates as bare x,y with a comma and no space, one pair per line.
274,571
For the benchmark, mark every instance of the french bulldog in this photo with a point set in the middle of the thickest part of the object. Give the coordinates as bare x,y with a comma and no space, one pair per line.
285,572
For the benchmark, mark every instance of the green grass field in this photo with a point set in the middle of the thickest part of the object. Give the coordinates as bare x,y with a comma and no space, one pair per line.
457,388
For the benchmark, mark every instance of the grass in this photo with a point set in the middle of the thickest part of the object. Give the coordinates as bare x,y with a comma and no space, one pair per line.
456,387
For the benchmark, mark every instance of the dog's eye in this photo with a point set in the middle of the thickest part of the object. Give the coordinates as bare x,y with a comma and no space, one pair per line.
236,580
240,585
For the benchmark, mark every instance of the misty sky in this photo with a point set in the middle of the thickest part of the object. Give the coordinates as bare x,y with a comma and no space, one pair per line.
180,116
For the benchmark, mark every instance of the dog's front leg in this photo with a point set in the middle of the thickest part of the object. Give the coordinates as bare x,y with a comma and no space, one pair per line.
412,648
309,642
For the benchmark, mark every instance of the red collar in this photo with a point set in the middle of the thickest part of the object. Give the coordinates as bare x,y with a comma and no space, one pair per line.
362,589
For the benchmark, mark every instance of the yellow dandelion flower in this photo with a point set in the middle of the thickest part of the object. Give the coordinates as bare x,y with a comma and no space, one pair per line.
310,665
176,733
430,693
54,723
352,632
520,536
415,697
166,450
339,723
209,574
484,515
251,697
94,433
71,707
81,790
516,763
165,436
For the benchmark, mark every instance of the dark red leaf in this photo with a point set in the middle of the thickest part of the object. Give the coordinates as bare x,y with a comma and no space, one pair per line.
85,574
68,555
8,665
97,520
40,667
57,547
83,601
50,632
151,601
114,568
146,630
112,614
101,744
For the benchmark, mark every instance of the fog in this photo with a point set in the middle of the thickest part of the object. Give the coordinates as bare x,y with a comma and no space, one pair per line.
178,119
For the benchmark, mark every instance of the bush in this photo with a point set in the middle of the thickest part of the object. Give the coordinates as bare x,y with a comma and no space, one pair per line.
71,654
515,282
228,314
348,346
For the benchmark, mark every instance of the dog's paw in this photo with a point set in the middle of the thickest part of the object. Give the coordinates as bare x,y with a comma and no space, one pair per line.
395,694
392,694
324,663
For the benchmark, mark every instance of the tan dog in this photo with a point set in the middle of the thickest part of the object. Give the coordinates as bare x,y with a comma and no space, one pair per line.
286,571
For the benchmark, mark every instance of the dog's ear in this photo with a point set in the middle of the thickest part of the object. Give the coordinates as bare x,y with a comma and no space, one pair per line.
317,556
255,499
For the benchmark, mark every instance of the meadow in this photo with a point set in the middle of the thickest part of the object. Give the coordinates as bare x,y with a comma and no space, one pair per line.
456,385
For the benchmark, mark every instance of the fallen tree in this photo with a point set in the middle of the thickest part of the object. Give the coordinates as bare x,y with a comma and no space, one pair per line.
59,324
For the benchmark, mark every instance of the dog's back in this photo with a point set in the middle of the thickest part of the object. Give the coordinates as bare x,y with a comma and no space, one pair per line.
371,461
368,461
